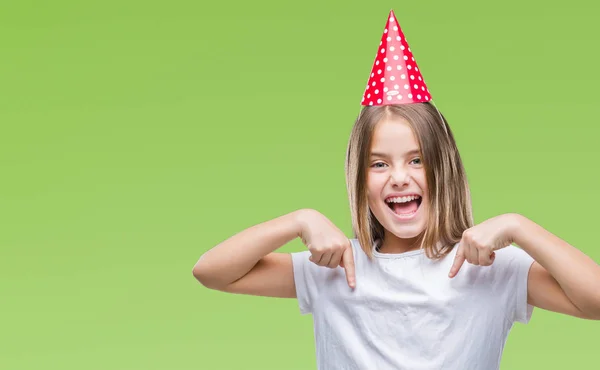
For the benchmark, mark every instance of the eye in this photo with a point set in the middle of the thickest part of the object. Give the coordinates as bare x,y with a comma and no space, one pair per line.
378,165
417,160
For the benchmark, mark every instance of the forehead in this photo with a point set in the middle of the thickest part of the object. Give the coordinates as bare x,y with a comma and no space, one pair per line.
392,135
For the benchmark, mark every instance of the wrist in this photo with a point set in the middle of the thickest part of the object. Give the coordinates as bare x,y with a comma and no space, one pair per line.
515,226
300,218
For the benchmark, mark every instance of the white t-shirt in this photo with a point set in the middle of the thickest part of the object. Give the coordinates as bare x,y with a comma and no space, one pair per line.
407,314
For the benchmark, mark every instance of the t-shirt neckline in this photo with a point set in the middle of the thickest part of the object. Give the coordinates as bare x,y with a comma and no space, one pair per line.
378,254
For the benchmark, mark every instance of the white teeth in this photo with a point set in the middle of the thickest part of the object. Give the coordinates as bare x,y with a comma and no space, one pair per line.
402,199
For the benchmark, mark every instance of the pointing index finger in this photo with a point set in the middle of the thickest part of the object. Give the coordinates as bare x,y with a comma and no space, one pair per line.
458,261
348,263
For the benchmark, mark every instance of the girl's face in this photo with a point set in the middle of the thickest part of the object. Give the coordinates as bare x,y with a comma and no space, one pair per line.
396,186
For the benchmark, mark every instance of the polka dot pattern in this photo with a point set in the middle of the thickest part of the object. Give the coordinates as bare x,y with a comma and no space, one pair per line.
393,59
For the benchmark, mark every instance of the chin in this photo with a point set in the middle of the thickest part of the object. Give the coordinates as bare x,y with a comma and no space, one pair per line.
407,233
402,227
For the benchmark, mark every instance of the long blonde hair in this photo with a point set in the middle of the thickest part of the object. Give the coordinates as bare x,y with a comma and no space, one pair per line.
448,190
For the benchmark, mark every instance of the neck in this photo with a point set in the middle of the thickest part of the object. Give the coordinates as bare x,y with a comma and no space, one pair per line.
393,244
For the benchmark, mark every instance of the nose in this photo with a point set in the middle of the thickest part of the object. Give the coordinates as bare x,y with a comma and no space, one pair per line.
399,176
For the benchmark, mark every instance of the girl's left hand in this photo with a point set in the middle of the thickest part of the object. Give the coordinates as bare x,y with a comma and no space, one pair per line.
478,243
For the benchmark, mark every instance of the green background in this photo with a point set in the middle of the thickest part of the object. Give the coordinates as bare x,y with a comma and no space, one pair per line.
135,135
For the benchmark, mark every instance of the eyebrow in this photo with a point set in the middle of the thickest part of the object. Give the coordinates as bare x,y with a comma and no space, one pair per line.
383,155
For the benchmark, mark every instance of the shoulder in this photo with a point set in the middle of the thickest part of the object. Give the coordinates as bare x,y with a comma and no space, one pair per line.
360,256
512,263
512,255
356,247
357,251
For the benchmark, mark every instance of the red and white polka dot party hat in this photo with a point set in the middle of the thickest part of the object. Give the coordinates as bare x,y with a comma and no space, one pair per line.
395,77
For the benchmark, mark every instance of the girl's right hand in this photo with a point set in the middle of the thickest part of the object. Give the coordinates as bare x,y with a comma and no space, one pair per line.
328,245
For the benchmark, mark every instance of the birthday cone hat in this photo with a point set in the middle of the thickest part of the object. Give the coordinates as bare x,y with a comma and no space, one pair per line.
395,77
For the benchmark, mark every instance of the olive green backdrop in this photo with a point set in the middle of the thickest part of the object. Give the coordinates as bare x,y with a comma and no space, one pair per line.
135,135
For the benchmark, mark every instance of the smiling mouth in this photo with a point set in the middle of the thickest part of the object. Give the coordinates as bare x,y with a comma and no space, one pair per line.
405,208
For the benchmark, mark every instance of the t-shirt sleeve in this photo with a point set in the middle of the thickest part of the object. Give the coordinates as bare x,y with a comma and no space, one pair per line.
513,273
305,281
313,282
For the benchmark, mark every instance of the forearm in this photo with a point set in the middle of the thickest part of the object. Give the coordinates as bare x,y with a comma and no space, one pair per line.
235,257
577,274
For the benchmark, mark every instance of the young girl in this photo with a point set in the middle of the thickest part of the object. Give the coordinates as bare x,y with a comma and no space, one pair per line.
399,295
